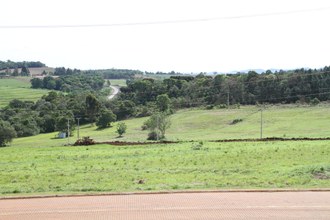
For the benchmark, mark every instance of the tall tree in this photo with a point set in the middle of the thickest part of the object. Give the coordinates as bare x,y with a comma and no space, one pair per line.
92,107
37,83
157,124
25,71
7,133
15,72
163,102
121,129
105,119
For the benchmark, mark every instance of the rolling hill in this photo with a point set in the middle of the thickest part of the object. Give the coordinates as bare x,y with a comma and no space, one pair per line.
203,125
18,88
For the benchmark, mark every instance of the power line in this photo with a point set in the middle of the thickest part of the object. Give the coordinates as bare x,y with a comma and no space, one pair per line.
78,118
261,123
68,131
289,97
286,76
235,17
278,76
83,116
258,81
283,98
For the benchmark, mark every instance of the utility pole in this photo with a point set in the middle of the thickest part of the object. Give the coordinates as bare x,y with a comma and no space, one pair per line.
228,98
157,127
68,131
261,122
78,128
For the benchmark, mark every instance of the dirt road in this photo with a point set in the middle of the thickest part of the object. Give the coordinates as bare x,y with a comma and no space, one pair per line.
115,91
233,205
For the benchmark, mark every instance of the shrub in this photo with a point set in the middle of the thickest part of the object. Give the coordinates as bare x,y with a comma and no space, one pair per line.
157,125
144,111
209,107
222,106
197,146
121,128
7,133
84,141
315,101
144,127
154,135
235,121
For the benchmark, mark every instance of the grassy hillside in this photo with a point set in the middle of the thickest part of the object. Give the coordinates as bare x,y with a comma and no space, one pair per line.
118,82
40,170
279,121
18,88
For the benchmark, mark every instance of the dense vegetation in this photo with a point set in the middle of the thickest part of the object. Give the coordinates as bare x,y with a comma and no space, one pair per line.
115,73
251,88
70,83
54,111
128,74
62,71
107,73
12,65
112,73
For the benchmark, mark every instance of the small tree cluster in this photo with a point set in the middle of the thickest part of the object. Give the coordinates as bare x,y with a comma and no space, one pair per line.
157,125
105,119
315,101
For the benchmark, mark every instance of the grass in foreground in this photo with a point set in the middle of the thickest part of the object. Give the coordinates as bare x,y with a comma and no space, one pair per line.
18,88
105,168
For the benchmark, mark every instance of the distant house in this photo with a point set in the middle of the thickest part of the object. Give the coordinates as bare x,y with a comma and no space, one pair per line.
61,135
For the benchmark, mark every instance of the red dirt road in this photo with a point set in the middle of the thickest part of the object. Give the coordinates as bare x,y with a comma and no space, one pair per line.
222,205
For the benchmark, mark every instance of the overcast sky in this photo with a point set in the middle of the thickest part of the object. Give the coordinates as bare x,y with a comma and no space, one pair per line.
166,35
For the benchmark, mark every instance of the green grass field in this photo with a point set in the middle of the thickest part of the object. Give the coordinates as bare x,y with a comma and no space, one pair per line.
18,88
279,121
44,165
106,168
118,82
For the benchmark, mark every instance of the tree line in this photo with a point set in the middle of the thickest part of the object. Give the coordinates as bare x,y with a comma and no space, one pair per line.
242,88
106,73
110,73
69,83
12,65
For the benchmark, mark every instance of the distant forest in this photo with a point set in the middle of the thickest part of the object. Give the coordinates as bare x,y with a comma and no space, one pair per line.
111,73
12,65
301,85
69,83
